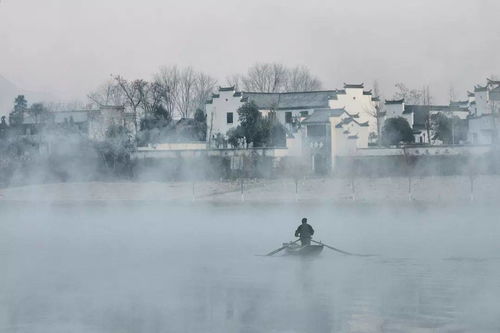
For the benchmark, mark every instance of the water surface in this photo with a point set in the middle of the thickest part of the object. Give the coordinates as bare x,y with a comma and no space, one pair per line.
154,267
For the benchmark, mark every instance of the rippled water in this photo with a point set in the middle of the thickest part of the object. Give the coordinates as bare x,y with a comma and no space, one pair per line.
151,267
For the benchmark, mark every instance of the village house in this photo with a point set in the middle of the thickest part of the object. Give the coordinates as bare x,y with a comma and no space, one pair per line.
290,107
319,124
332,133
92,123
484,106
418,116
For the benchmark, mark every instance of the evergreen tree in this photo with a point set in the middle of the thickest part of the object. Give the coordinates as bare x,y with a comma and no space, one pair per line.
200,124
20,107
396,131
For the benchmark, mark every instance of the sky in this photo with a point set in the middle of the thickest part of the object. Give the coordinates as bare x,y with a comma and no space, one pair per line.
69,47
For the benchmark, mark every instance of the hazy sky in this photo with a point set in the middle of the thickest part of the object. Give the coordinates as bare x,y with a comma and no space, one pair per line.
67,47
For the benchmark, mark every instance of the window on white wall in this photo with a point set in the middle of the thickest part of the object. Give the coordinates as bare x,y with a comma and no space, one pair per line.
288,117
229,117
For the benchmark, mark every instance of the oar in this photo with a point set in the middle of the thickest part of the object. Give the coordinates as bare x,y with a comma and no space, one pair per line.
343,252
281,248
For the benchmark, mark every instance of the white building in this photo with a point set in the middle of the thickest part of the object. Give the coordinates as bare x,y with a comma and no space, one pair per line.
357,101
331,133
484,106
320,124
290,107
418,116
92,123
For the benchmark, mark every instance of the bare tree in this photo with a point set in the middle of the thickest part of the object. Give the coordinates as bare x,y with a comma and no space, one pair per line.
379,115
275,77
235,81
184,90
427,100
301,79
452,94
151,98
265,78
411,96
109,93
133,91
168,79
377,112
205,86
426,96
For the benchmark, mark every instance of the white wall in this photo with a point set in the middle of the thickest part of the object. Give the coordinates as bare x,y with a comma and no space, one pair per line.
423,151
394,110
100,120
410,118
355,102
341,144
217,113
295,145
482,105
175,146
481,130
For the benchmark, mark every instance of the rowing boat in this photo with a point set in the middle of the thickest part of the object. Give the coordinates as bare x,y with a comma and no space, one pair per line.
306,250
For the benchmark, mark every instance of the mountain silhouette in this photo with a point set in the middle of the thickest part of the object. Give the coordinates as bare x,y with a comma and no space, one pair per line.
9,91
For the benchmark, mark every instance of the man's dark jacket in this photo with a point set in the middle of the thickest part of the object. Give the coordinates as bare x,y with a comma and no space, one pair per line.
304,231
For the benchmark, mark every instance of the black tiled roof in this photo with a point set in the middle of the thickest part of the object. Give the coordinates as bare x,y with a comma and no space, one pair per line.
394,101
421,112
226,88
358,86
479,88
495,95
459,103
292,100
323,115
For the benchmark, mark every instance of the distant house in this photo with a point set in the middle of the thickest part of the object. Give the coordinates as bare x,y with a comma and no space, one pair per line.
418,116
332,133
91,123
484,106
320,124
32,123
290,107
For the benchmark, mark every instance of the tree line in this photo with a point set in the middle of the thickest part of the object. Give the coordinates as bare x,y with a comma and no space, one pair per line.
179,92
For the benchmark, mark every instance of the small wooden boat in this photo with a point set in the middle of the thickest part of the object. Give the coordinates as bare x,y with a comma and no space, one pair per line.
292,249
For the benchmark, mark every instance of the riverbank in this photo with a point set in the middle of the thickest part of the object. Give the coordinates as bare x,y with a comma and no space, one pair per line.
395,189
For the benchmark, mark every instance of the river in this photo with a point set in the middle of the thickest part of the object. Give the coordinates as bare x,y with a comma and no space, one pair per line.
159,267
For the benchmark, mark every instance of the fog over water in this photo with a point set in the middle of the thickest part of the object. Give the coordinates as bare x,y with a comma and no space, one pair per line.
155,267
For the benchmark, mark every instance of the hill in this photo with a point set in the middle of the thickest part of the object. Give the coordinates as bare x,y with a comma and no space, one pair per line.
9,91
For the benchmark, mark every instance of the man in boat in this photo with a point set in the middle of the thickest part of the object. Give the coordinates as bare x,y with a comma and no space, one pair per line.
305,232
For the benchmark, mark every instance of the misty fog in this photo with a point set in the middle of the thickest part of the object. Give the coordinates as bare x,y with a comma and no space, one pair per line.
153,152
156,267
